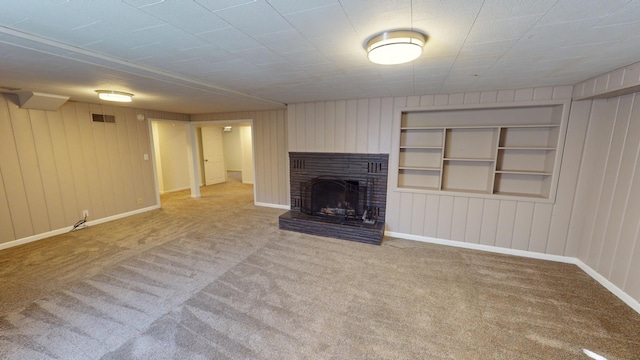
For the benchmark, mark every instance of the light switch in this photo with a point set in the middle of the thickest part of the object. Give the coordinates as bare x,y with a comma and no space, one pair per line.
146,156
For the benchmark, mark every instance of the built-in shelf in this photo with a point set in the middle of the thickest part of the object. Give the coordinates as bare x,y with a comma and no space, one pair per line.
506,151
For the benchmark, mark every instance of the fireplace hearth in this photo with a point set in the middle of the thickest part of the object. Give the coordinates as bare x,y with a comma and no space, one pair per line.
339,195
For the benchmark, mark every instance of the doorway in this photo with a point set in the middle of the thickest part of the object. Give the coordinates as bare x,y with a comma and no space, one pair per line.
225,151
191,155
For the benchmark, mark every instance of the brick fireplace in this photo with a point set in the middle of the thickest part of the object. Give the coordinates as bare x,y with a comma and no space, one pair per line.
339,195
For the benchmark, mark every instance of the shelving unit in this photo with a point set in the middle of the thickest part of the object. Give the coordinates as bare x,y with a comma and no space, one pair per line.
506,151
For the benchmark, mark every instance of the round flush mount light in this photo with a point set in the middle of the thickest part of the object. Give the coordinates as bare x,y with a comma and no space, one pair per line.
111,95
395,47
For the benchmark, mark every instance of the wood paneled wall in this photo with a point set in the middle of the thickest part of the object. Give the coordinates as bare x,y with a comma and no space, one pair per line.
270,152
606,220
54,164
367,125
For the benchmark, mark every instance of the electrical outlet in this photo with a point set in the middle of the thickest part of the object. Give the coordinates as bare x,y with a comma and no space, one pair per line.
85,213
139,201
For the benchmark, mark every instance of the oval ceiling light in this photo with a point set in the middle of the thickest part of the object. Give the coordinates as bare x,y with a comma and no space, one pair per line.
395,47
110,95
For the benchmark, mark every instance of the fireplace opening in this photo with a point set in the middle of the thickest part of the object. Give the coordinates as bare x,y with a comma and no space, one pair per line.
345,200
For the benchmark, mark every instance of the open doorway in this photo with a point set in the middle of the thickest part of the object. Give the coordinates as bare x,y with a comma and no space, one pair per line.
225,152
191,155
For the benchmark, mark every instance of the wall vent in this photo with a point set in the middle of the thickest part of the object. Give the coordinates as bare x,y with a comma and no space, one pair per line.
103,118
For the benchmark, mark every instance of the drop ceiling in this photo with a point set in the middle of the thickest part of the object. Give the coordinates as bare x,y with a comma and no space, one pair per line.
235,55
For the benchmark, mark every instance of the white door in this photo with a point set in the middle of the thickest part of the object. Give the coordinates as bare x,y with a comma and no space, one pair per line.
212,152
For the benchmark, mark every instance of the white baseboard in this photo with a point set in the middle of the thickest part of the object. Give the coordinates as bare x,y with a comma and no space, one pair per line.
633,303
275,206
48,234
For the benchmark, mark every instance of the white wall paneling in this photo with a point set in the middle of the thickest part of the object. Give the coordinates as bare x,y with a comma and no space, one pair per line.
54,164
271,137
607,207
367,126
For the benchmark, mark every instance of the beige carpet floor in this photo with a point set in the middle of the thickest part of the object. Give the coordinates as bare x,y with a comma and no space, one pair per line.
214,278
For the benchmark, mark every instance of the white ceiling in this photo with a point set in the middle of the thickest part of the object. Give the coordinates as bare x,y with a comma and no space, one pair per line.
230,55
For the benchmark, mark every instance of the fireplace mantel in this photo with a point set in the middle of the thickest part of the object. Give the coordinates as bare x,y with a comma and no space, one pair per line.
368,170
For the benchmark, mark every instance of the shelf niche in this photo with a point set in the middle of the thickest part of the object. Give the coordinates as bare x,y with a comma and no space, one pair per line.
505,151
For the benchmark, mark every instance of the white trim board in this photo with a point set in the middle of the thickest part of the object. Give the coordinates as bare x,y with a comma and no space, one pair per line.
269,205
48,234
633,303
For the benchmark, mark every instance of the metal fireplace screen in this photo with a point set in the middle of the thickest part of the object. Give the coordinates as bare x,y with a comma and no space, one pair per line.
331,197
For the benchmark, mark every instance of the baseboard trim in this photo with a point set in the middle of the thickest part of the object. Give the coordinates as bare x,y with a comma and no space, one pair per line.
49,234
626,298
275,206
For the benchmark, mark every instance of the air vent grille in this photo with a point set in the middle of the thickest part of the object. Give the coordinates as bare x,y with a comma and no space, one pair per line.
103,118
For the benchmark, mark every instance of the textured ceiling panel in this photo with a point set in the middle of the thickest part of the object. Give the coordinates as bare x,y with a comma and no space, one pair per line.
224,55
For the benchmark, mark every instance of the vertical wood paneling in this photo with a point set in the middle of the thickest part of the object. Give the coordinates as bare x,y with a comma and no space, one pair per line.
341,126
386,125
592,172
30,170
540,227
54,164
506,95
362,125
267,159
627,238
417,214
124,150
351,126
273,154
427,100
283,165
607,187
432,208
524,94
90,160
260,162
310,127
300,128
291,129
115,165
16,197
6,226
329,125
445,213
506,223
406,203
543,93
522,225
631,284
459,99
373,138
101,159
144,140
559,239
47,166
74,146
490,215
474,221
621,188
319,125
488,97
459,218
467,98
64,172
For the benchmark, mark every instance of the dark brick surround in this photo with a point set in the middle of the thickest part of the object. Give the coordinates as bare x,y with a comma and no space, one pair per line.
368,169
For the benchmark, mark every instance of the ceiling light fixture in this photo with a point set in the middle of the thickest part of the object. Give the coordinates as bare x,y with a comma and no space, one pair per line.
395,47
110,95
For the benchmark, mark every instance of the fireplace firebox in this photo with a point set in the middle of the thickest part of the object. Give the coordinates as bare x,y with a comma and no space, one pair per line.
338,195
